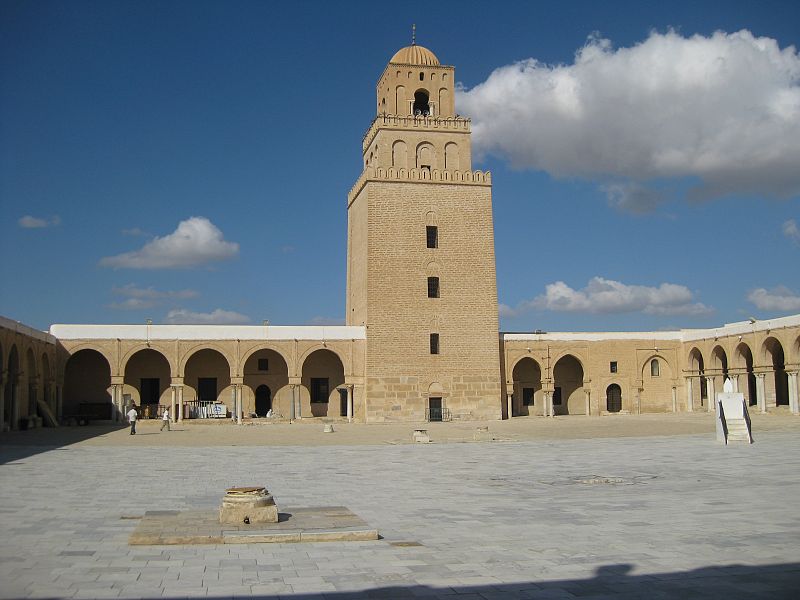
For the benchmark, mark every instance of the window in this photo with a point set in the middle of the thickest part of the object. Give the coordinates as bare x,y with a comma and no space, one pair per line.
319,389
527,396
435,409
613,366
434,343
263,364
557,397
421,106
655,369
422,76
432,233
433,287
613,398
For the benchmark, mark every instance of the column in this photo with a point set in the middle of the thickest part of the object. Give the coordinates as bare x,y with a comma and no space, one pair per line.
712,396
761,394
674,399
510,404
548,404
350,403
689,395
238,404
292,405
180,403
2,402
638,401
173,400
794,402
735,382
588,406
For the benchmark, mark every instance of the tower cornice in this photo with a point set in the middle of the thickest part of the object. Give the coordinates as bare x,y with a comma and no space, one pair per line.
414,123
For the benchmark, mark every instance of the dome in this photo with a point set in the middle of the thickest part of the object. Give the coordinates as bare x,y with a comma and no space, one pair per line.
415,55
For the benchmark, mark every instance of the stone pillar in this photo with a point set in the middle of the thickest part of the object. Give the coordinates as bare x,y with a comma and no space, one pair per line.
350,403
293,402
180,403
761,394
238,404
510,404
712,396
2,402
548,404
173,401
794,401
674,399
689,395
587,394
638,401
735,382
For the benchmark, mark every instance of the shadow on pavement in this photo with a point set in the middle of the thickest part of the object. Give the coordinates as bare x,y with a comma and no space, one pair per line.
15,445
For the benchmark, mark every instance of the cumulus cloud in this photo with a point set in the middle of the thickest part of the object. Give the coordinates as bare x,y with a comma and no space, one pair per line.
29,222
791,231
777,299
196,241
182,316
137,298
723,110
608,296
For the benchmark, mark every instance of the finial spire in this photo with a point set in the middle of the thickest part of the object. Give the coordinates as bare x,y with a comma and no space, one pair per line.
413,34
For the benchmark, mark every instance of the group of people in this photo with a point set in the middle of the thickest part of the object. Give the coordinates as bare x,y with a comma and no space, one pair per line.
133,416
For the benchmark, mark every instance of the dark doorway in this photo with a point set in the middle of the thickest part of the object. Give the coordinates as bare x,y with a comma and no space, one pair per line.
434,409
149,390
613,398
263,400
207,389
342,402
319,390
421,106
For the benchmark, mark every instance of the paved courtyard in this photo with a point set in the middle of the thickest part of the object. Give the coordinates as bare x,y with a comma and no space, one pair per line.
632,517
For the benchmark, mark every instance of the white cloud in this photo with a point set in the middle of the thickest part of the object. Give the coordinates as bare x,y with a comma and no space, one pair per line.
632,197
196,241
326,321
791,231
29,222
608,296
723,109
182,316
137,298
777,299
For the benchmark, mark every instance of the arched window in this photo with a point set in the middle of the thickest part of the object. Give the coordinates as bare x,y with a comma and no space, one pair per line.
421,106
613,398
655,369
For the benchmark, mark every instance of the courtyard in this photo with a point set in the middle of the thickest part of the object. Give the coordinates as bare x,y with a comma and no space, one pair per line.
618,507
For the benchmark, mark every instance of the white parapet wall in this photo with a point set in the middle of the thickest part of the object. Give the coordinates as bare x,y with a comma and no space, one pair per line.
207,332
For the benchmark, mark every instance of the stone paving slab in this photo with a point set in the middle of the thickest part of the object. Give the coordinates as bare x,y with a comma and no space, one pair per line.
633,517
324,524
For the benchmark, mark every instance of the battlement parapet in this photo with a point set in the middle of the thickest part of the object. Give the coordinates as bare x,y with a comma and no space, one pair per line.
421,123
480,178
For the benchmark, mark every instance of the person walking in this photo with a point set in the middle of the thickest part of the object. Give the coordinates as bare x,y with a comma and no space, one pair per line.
165,420
132,416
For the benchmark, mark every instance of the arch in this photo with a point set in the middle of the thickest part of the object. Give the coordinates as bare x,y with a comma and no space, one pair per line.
99,349
195,349
400,100
399,155
777,386
87,379
444,99
147,377
719,361
322,373
451,159
657,380
432,269
11,396
698,368
426,156
263,400
431,218
32,377
569,397
207,374
266,366
614,398
743,361
527,397
421,103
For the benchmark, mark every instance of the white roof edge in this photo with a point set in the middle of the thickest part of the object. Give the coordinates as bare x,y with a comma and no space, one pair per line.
208,332
684,335
26,330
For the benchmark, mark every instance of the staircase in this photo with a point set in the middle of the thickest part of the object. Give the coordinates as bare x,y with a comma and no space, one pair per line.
737,431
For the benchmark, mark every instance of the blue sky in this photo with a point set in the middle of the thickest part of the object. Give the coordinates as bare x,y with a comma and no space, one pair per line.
621,201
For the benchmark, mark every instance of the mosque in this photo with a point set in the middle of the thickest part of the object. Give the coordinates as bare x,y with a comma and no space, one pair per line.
421,340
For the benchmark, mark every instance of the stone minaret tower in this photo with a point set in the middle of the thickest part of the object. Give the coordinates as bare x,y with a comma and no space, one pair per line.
420,254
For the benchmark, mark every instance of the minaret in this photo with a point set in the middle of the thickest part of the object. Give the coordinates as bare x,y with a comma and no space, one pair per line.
420,256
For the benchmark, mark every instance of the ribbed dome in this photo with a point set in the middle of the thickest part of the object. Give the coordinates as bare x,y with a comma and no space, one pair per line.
415,55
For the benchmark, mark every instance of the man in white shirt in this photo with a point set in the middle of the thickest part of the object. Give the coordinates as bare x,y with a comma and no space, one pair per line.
165,420
132,416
